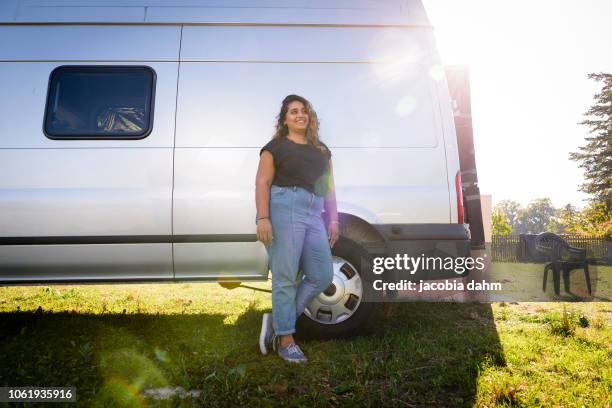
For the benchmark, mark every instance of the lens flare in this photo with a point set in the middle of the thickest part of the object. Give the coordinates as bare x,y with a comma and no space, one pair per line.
406,105
396,55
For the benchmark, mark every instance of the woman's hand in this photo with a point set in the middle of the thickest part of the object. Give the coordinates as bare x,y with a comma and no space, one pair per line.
263,180
333,232
264,231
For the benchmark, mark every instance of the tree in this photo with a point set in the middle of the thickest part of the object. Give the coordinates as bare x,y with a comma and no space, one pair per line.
594,221
556,223
569,217
536,217
596,156
500,224
510,210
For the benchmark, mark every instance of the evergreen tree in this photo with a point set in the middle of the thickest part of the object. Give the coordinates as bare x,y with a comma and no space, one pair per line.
596,156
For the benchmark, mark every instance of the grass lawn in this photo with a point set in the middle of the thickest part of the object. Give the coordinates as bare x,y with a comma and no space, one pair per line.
115,342
523,282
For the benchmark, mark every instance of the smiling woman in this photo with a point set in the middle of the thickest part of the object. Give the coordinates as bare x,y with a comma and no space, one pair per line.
293,188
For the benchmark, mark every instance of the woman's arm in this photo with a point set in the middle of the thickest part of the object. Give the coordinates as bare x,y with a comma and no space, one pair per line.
263,180
333,229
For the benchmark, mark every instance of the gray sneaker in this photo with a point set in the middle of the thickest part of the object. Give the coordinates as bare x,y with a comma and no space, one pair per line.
266,335
292,353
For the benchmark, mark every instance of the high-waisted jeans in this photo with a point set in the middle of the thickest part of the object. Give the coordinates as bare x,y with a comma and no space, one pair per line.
299,242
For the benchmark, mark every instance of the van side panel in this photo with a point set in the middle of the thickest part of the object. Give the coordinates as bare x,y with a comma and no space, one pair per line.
89,43
93,262
397,47
372,113
81,187
375,100
85,192
109,197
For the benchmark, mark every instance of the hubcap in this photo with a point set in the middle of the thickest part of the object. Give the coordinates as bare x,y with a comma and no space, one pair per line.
341,299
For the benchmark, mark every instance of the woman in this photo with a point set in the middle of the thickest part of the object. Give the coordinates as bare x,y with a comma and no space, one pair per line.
294,184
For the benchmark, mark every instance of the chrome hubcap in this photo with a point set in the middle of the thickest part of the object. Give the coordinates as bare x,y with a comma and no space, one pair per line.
341,299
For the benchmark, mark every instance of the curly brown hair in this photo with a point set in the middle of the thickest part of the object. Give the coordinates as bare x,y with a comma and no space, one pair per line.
312,131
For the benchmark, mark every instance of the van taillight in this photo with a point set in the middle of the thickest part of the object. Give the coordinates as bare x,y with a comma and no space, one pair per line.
459,196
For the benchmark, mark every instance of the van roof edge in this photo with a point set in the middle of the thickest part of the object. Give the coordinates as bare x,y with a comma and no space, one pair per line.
400,13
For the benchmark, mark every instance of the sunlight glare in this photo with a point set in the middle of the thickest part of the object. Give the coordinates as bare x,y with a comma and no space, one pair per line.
406,105
396,56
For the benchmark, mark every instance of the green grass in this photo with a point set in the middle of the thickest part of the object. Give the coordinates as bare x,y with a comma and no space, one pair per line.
113,342
523,282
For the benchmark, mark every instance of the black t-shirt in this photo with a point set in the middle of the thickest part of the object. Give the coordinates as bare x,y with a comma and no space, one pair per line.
302,165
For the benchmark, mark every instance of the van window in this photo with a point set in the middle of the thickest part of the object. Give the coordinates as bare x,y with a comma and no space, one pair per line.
100,102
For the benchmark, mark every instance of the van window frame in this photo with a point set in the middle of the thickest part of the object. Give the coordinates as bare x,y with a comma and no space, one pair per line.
100,68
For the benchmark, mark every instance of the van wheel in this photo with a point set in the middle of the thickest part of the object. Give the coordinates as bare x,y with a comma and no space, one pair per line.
340,309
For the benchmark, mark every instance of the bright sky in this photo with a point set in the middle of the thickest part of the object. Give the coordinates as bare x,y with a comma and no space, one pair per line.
528,64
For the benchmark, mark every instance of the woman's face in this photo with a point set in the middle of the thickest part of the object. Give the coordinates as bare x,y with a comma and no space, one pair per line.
296,118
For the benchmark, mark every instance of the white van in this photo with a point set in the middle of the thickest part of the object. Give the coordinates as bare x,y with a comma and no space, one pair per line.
130,133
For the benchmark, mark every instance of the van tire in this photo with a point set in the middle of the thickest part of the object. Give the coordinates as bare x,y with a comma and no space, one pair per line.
351,253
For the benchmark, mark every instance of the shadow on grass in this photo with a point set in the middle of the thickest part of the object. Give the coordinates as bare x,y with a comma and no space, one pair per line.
411,354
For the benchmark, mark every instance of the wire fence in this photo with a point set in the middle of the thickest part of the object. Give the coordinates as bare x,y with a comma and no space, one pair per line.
510,249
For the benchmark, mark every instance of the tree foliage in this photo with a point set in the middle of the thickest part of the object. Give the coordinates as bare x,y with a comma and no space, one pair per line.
536,217
568,219
595,157
594,221
500,224
510,210
540,215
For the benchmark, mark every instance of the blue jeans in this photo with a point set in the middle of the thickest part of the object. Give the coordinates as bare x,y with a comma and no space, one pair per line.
299,241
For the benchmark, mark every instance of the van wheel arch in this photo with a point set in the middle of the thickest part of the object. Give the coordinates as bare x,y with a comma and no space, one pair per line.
356,229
